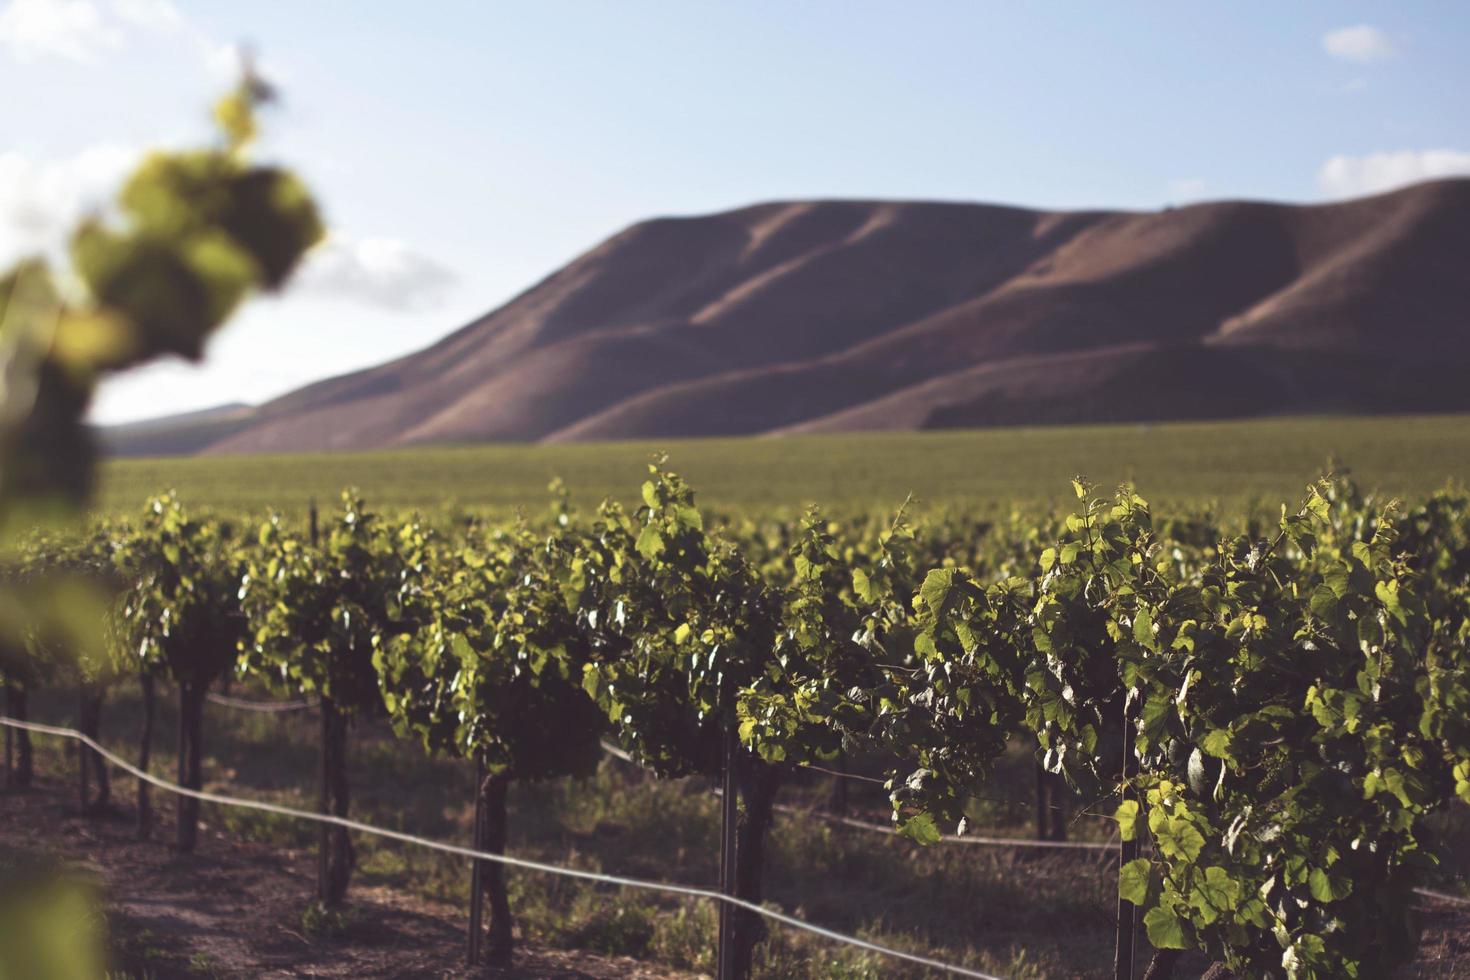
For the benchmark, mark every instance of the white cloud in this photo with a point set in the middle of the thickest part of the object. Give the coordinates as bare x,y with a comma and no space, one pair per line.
1183,190
1348,176
40,200
381,272
224,61
75,30
153,15
1361,43
227,61
82,30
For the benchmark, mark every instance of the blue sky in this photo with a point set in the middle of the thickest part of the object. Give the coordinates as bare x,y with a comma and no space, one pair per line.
462,150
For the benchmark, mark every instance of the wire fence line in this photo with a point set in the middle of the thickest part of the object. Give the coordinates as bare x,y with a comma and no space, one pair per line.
504,859
272,707
1064,845
1442,896
266,707
623,755
618,753
1094,846
859,777
844,775
1019,842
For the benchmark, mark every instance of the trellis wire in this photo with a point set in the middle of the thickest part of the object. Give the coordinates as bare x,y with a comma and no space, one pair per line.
505,859
1064,845
266,707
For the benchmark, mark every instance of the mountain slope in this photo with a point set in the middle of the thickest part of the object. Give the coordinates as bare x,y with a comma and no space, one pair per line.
841,315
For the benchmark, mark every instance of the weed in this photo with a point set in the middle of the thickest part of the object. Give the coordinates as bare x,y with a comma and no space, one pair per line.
320,922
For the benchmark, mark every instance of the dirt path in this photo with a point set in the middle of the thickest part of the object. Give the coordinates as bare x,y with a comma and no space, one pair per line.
233,908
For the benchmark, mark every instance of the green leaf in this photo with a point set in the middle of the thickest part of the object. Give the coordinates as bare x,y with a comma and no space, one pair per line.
1327,887
650,542
1133,881
1165,929
1317,505
1324,602
1216,890
936,588
1388,594
461,647
921,828
1177,838
1217,743
1143,630
1127,817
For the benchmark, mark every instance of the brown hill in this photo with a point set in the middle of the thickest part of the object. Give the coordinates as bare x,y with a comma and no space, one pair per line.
845,315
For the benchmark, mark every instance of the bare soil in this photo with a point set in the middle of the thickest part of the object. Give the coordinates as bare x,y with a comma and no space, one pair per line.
234,908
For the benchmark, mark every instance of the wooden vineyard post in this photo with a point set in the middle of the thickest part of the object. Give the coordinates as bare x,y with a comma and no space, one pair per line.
477,869
182,770
837,798
17,703
9,757
9,740
191,708
1127,851
500,945
82,762
1056,801
337,866
323,799
90,722
1043,825
145,751
729,827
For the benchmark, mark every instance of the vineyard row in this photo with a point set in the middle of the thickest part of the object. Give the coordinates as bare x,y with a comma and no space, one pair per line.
1278,710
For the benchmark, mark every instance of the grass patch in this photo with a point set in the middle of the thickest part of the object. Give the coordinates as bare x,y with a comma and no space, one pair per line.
962,904
1016,914
1233,463
321,922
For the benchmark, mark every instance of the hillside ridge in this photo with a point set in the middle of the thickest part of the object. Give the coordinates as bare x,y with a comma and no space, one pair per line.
847,315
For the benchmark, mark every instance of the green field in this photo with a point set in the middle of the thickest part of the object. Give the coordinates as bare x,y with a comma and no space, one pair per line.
1233,463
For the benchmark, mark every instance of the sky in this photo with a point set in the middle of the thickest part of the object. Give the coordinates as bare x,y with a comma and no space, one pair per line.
463,150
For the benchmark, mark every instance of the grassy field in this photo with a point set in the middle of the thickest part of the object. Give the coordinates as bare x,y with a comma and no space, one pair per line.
973,905
1024,915
1229,462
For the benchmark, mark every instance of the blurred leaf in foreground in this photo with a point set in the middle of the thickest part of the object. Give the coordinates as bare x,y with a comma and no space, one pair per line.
196,233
